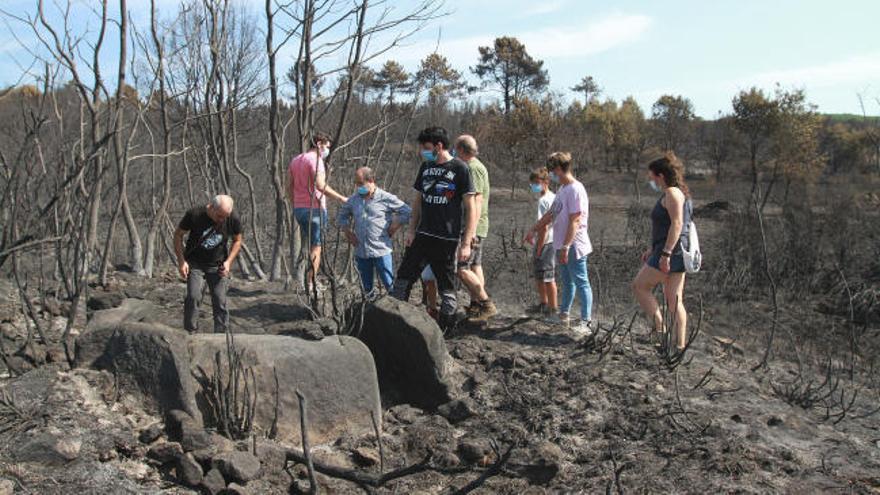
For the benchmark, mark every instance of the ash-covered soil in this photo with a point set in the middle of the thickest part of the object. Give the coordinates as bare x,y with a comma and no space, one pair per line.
541,412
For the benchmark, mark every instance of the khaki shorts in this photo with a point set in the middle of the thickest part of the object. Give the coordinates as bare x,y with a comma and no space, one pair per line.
476,258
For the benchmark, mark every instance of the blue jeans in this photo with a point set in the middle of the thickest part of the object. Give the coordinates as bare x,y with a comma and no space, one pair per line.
367,267
311,221
575,278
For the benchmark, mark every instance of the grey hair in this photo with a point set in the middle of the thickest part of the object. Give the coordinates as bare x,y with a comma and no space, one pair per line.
221,200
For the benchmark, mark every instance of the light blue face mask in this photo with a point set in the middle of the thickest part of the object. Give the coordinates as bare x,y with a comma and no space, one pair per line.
536,188
428,156
454,153
554,178
653,185
363,190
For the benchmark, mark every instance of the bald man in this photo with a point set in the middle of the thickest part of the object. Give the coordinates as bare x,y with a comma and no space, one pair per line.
470,270
206,258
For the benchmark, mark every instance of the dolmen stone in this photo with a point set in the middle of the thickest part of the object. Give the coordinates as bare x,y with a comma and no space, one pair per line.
336,375
410,353
171,371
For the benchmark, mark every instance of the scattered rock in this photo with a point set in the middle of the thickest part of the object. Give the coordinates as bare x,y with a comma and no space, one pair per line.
104,300
150,434
364,456
538,464
6,487
405,414
174,421
165,452
213,482
237,466
410,353
473,451
775,421
194,437
736,418
447,460
235,489
273,457
457,410
189,472
49,447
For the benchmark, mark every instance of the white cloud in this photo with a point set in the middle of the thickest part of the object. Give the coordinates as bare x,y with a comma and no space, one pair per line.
581,41
544,8
855,69
565,41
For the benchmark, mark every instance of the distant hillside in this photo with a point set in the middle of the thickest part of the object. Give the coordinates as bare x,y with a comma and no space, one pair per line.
851,117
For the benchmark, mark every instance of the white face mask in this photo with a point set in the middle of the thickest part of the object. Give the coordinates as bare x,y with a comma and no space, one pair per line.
653,185
324,153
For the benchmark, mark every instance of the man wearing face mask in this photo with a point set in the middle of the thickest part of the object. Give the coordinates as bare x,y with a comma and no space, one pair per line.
369,219
445,196
307,189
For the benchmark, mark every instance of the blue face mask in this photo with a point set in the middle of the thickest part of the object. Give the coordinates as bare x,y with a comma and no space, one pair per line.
536,188
363,190
454,154
554,178
428,156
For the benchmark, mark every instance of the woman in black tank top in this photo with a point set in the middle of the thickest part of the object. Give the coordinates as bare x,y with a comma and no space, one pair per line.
663,261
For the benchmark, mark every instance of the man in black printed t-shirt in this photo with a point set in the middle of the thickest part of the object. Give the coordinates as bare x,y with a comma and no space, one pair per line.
205,257
444,200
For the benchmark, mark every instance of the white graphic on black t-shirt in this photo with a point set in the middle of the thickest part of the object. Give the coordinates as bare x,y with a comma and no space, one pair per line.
211,239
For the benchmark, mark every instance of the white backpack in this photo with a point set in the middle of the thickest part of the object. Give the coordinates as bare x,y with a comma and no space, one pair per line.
693,258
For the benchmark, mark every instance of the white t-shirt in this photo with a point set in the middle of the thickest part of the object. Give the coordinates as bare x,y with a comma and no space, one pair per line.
570,199
544,204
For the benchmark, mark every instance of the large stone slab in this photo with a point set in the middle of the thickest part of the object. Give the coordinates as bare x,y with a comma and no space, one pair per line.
337,376
410,353
149,359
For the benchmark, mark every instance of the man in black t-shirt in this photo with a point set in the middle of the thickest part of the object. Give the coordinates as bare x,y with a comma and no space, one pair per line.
205,257
444,200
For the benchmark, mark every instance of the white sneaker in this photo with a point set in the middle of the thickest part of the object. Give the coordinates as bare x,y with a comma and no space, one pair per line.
583,328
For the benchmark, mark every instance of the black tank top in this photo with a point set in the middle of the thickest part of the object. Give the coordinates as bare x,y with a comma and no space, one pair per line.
660,223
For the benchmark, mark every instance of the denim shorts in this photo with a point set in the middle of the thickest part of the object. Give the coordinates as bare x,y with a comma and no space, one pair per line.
311,222
676,261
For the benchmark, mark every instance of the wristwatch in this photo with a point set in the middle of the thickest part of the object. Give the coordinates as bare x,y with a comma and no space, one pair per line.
665,254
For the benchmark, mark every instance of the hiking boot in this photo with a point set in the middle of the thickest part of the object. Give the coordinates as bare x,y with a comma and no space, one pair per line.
485,310
537,309
473,310
560,319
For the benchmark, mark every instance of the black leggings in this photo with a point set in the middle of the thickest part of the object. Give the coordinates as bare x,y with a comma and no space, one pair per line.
440,254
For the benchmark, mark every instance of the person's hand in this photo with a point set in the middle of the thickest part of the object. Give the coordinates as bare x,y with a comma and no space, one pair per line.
408,239
352,237
563,255
646,255
530,237
393,229
183,269
225,268
464,252
664,264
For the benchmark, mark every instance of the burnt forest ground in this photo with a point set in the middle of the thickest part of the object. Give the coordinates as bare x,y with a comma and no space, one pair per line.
605,416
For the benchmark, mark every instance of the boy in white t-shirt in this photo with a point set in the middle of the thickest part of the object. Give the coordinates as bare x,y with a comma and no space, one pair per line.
543,259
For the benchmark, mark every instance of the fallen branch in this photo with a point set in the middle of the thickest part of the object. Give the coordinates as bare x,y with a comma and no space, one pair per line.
357,476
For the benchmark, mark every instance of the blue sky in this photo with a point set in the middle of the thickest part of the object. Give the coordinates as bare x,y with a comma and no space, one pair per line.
706,50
